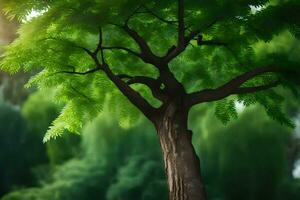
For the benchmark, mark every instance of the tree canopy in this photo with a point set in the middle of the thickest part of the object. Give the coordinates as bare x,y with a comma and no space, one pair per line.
213,49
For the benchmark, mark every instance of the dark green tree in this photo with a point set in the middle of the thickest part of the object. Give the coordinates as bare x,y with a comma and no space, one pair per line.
15,170
164,57
124,164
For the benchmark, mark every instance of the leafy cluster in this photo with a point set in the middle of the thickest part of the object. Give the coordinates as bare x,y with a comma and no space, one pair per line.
231,34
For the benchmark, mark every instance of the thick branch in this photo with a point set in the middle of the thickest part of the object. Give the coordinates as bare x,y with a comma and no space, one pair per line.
134,97
153,85
201,42
248,90
232,87
181,24
172,86
174,51
146,53
144,80
124,76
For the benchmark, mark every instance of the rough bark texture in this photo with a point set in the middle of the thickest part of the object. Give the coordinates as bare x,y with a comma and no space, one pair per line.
182,165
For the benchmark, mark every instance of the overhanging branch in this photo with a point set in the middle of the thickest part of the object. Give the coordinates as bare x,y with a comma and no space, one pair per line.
248,90
233,87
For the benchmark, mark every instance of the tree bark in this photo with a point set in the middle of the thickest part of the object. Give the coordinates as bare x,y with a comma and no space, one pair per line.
182,165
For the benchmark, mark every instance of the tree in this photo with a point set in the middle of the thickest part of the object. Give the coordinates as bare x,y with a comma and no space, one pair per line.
165,57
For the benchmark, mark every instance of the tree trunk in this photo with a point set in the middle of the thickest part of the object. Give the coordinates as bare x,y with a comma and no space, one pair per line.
182,165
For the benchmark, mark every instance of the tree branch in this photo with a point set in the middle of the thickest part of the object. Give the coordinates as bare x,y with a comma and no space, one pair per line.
132,14
99,47
79,73
134,97
181,24
153,85
144,80
248,90
213,43
196,32
148,11
89,52
124,49
233,87
124,76
171,22
146,53
100,41
201,42
174,51
81,94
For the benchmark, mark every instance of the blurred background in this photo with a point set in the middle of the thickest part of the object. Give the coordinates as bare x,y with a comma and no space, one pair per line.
253,158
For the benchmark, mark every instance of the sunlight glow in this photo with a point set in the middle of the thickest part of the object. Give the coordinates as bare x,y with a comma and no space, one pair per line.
33,14
239,106
297,129
255,9
296,171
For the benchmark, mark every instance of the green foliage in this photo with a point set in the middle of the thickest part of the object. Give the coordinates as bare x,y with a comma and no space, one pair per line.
51,43
225,110
244,160
113,166
247,159
14,169
39,108
22,155
135,180
38,118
